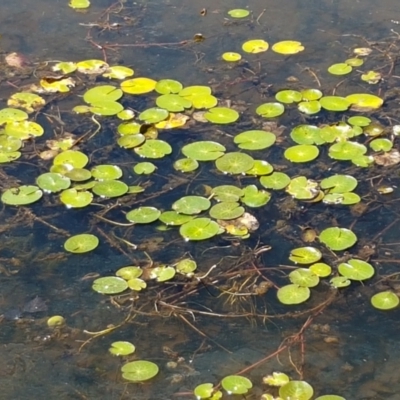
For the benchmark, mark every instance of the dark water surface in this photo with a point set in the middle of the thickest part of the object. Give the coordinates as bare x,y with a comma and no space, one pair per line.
346,348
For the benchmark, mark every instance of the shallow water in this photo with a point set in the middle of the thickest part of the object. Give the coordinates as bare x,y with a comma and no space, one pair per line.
348,348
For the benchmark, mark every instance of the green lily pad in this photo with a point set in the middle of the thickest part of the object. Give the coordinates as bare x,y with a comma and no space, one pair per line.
228,193
234,163
296,390
144,168
346,150
129,128
275,181
260,168
186,266
162,273
339,132
311,94
365,101
338,239
194,91
321,269
23,129
221,115
191,205
173,102
118,72
12,115
226,210
73,198
6,157
205,391
106,108
131,141
139,371
78,175
82,243
110,188
72,159
138,85
109,285
289,96
385,300
143,215
340,69
203,150
356,270
354,62
186,165
359,121
106,172
205,101
174,218
9,144
153,148
29,101
121,348
239,13
304,278
21,195
309,107
340,282
381,145
334,103
270,110
301,153
231,56
253,197
199,229
254,140
53,183
137,284
255,46
302,188
305,255
167,86
102,93
236,384
153,115
307,134
339,183
130,272
293,294
276,379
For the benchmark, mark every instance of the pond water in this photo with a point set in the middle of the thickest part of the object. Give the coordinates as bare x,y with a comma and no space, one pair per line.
226,319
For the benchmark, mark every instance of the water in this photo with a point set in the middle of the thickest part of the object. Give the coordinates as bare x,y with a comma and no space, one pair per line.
201,330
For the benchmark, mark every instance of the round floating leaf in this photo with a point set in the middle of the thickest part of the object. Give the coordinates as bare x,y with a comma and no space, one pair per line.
139,371
144,168
106,108
138,85
65,67
9,144
199,229
276,181
321,269
255,46
372,77
260,167
356,270
227,193
236,384
254,197
186,165
73,198
231,56
162,273
340,282
221,115
296,390
106,171
304,277
186,266
191,205
167,86
302,188
203,101
195,91
153,115
339,183
110,188
338,239
359,121
306,134
154,148
71,158
121,348
334,103
204,150
131,141
143,215
55,321
381,145
276,379
204,391
118,72
289,96
293,294
51,182
137,284
173,121
12,115
270,110
226,210
174,218
305,255
309,107
311,94
347,150
385,300
23,129
22,195
92,66
287,47
129,128
79,4
354,62
109,285
301,153
129,273
102,93
340,69
234,163
79,175
9,156
365,101
173,102
29,101
239,13
254,140
81,243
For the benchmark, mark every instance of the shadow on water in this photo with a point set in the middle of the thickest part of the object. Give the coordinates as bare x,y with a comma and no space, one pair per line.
227,318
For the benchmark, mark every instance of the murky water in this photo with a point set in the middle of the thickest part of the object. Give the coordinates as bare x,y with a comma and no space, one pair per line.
221,327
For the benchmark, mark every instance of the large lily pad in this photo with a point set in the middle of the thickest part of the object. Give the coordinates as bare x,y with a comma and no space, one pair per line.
234,163
199,229
22,195
338,239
